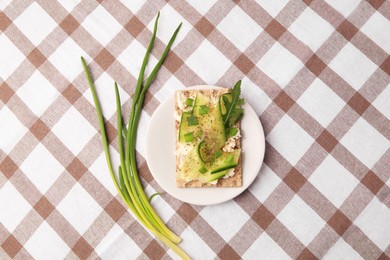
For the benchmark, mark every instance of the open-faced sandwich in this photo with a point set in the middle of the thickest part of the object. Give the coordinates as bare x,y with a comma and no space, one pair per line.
208,138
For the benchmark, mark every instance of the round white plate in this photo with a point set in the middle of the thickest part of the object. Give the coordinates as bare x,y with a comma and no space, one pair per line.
160,155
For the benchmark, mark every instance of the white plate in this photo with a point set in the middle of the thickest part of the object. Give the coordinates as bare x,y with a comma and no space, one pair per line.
160,148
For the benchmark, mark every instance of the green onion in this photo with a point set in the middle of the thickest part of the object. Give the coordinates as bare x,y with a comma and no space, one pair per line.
218,154
191,120
203,110
232,132
188,137
189,102
229,158
203,170
129,187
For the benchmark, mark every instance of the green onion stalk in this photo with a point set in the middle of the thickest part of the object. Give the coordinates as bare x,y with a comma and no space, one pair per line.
129,186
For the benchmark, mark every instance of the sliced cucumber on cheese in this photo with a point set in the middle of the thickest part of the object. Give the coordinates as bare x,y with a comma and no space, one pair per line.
225,161
210,121
186,130
203,127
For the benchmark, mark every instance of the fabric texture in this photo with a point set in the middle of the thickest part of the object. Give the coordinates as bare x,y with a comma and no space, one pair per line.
317,74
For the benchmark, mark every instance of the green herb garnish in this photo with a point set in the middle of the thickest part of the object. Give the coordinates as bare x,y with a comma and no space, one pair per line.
234,111
188,137
129,186
191,120
232,132
217,154
203,110
189,102
203,170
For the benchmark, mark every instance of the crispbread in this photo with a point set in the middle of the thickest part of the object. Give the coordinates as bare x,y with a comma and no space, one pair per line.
236,179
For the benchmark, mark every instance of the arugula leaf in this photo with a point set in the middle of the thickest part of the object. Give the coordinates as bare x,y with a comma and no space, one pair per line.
233,108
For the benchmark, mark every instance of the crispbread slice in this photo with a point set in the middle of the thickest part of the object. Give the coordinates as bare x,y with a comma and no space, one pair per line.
236,179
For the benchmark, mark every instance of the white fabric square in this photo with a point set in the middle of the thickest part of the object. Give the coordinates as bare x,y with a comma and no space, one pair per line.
239,28
131,58
265,248
280,64
169,89
35,23
70,4
101,25
74,130
106,92
375,28
382,102
301,220
13,207
117,245
342,250
365,142
164,210
10,53
321,102
344,7
208,62
38,93
79,208
167,23
353,66
222,222
12,130
46,244
4,4
374,222
42,168
254,96
69,65
265,184
311,29
99,169
202,6
193,243
273,7
333,181
289,139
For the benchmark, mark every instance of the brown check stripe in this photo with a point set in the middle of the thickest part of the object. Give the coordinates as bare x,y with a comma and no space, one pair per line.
316,72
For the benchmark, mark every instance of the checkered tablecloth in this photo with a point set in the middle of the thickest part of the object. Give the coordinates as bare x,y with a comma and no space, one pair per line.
317,74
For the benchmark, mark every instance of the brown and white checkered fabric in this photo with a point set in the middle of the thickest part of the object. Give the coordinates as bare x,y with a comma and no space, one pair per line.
316,72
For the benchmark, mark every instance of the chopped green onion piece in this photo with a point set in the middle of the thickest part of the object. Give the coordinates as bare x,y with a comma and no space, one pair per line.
189,102
203,170
192,120
199,133
188,137
232,132
218,154
203,110
229,158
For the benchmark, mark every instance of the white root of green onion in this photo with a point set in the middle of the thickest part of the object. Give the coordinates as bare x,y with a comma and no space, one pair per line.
129,187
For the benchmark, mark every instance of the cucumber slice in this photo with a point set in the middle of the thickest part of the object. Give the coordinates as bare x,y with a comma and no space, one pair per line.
191,166
195,169
226,161
185,128
211,123
216,176
222,104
